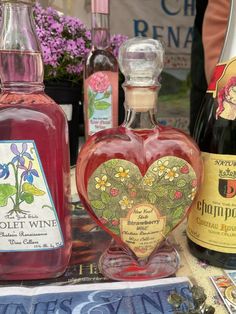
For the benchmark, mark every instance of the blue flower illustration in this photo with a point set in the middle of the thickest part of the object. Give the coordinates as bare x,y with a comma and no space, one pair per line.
20,155
28,173
4,171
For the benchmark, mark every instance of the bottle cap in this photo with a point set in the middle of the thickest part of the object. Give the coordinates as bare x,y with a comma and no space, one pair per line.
141,61
100,6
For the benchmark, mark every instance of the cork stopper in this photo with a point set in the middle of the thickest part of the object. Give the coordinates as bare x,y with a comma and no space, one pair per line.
100,6
141,99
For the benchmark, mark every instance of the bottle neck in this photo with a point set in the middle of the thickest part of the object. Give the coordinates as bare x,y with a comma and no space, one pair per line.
140,105
21,65
229,48
100,31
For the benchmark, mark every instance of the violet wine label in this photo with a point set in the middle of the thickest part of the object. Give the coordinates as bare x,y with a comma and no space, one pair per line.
28,218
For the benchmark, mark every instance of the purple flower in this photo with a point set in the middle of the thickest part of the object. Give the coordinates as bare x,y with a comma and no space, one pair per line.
28,173
19,156
65,42
4,171
116,41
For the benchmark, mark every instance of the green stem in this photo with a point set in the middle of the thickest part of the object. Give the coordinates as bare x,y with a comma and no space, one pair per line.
15,202
17,197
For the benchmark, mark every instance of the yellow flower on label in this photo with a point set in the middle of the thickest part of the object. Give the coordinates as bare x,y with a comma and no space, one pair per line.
102,183
171,174
161,167
125,203
148,180
122,174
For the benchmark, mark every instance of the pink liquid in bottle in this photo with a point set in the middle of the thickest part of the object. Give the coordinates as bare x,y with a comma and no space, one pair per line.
27,115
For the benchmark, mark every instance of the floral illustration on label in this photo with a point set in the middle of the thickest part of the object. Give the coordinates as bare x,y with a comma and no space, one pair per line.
99,102
142,210
28,219
223,87
23,189
227,100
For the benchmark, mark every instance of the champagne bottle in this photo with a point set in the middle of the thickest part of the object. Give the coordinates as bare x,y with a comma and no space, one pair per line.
211,227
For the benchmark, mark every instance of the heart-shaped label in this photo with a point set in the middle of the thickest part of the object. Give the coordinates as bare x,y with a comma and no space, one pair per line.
142,210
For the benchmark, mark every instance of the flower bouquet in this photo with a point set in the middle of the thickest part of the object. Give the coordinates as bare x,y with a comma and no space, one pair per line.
65,43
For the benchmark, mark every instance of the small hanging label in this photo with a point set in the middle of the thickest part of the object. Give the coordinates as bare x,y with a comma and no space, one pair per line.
223,87
28,218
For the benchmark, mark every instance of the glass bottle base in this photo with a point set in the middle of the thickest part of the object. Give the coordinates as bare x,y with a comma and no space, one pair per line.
214,258
118,263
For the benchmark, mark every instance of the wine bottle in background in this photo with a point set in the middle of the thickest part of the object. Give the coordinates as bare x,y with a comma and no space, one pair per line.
100,75
34,157
211,227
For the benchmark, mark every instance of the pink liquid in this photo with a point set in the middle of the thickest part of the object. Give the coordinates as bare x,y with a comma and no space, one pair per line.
141,147
34,116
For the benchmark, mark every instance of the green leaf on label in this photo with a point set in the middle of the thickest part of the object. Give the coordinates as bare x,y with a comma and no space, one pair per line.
31,189
112,163
115,230
98,204
178,212
27,197
152,197
105,197
90,94
90,109
101,105
107,214
161,191
181,183
6,190
107,94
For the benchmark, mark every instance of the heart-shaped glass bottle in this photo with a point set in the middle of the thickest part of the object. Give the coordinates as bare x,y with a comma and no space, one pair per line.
139,180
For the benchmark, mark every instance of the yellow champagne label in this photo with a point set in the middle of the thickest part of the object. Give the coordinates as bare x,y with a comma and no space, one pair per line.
212,219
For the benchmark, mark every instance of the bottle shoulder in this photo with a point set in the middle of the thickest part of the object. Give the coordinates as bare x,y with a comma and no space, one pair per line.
214,134
156,142
31,105
101,60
